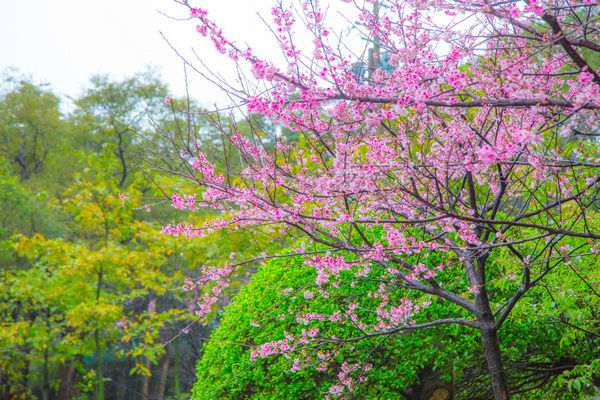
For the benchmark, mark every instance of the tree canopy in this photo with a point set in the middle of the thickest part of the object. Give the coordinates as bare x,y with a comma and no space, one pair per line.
474,143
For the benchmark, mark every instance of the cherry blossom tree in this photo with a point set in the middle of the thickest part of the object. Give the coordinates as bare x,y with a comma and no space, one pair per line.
455,152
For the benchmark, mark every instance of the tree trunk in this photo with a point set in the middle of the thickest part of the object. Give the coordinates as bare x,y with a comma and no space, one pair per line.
491,348
3,385
45,371
148,364
99,353
176,369
162,383
489,332
146,381
100,378
65,387
24,389
45,378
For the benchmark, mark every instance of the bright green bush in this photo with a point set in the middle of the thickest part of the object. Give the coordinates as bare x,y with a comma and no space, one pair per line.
227,372
531,339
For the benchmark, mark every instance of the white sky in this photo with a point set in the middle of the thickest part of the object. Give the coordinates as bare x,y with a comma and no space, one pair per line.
64,42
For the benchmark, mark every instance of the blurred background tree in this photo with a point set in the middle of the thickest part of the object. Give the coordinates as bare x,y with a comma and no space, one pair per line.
90,292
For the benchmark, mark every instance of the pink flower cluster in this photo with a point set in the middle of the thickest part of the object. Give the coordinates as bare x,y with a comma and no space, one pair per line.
405,165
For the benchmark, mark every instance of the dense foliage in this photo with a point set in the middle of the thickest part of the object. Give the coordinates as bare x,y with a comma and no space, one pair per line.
543,349
91,302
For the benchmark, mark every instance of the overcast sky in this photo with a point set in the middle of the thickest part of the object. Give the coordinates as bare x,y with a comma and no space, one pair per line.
64,42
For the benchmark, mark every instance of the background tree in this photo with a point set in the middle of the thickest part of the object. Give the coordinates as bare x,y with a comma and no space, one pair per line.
29,125
91,301
113,109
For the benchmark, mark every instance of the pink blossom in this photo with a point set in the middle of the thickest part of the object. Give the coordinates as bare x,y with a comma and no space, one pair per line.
403,172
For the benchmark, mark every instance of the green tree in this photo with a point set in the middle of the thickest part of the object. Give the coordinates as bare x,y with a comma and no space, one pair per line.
69,303
30,125
90,291
110,111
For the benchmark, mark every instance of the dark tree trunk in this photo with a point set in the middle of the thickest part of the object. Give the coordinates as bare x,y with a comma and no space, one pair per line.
487,326
145,391
491,348
162,382
176,370
65,388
